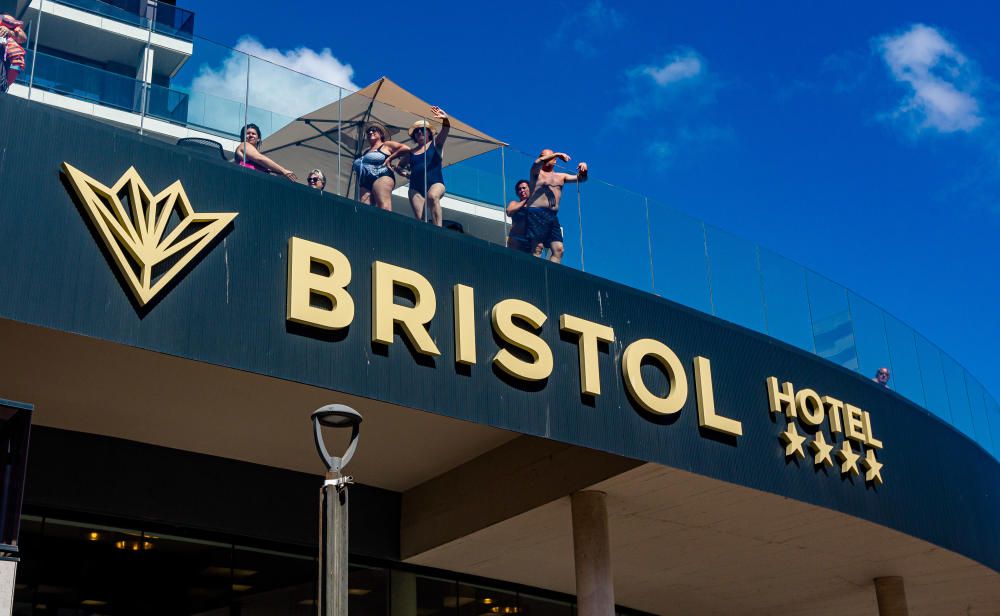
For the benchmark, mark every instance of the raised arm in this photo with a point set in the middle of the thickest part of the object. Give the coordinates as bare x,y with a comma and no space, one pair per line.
544,158
252,154
581,174
445,128
396,150
514,206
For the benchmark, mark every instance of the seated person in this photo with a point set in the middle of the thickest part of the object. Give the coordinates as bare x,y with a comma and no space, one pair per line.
248,154
316,179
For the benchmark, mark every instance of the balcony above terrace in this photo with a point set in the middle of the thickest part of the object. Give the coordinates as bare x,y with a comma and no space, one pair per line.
114,36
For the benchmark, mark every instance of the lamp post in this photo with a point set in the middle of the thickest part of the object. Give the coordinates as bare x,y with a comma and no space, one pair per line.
332,584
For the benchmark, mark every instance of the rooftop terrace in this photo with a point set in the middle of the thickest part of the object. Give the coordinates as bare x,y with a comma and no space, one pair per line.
609,230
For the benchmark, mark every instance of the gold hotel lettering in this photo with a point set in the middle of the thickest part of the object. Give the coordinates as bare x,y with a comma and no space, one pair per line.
514,321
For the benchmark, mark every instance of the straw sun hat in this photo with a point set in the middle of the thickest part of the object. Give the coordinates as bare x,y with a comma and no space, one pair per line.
420,124
380,127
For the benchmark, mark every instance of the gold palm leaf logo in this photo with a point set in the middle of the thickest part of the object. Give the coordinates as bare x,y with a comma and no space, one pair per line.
151,237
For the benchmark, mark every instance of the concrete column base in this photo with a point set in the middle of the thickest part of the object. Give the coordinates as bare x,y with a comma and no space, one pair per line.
8,573
595,593
891,596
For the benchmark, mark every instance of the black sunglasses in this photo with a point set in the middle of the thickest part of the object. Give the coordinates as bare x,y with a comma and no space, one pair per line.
313,180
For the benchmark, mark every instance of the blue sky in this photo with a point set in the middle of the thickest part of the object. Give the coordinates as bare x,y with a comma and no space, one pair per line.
858,139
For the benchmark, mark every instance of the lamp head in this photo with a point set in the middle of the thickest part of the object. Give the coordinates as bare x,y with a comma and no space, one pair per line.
336,416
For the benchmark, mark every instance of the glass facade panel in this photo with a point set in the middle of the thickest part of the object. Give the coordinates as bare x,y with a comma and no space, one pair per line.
932,375
482,601
615,238
82,569
869,337
478,179
958,395
980,421
735,279
269,582
208,93
993,417
535,606
87,83
434,597
905,365
368,591
680,264
833,331
786,300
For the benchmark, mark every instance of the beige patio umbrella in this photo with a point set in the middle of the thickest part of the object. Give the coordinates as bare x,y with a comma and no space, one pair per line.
330,138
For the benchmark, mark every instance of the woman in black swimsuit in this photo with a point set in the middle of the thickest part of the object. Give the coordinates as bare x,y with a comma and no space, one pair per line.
375,179
425,162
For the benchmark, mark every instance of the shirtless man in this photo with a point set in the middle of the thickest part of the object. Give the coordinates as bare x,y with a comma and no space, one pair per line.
542,205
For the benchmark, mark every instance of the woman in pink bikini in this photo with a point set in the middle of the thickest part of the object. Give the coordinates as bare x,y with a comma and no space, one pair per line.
248,154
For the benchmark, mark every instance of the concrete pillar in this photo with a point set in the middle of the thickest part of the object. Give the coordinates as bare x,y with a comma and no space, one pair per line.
402,593
891,596
595,593
8,572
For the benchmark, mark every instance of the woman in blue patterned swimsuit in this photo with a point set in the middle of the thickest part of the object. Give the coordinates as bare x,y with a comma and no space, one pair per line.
425,162
375,179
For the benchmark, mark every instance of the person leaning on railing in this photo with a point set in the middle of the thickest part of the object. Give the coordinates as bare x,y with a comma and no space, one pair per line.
542,205
248,154
12,41
316,179
882,376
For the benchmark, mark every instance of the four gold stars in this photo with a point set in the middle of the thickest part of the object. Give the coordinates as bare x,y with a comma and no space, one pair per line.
793,441
848,459
822,449
873,472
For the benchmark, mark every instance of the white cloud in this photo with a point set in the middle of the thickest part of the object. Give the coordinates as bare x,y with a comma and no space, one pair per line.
661,152
941,80
584,30
653,87
678,67
310,84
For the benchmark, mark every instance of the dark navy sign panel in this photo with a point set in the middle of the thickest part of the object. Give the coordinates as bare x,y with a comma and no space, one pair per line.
229,309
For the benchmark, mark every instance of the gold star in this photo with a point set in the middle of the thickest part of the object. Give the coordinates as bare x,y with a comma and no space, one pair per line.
793,441
848,459
873,472
822,450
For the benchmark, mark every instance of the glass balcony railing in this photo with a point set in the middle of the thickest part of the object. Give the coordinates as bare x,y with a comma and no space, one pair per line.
82,82
165,18
608,230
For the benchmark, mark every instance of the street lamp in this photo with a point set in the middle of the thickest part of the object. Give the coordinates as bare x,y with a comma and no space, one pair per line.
332,586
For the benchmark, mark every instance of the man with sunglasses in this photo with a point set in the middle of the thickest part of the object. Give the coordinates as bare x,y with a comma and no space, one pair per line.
542,205
882,377
316,179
